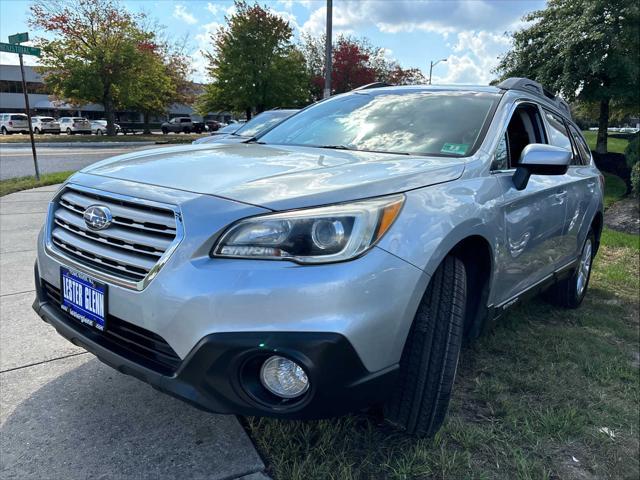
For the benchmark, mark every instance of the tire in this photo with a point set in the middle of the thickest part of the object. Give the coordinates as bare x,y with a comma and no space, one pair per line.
570,292
430,357
36,131
5,131
98,132
164,130
69,132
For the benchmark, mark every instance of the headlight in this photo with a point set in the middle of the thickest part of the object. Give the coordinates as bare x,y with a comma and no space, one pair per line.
314,235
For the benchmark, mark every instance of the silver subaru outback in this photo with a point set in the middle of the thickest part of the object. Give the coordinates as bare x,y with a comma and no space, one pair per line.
335,262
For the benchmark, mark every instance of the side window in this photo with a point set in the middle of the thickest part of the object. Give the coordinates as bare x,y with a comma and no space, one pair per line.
559,135
525,127
583,148
501,157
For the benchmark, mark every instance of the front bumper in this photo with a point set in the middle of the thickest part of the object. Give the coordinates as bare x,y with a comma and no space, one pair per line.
216,376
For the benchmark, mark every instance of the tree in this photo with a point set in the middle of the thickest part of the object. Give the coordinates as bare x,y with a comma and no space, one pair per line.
587,50
254,64
96,51
356,62
159,80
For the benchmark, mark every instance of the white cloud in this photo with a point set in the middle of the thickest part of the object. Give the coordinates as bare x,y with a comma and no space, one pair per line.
475,56
213,8
181,13
7,58
439,16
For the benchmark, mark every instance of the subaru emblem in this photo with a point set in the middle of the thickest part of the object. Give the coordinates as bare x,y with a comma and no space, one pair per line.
97,217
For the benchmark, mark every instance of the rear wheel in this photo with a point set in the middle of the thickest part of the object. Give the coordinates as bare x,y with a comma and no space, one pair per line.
69,132
4,131
430,357
164,130
570,292
98,132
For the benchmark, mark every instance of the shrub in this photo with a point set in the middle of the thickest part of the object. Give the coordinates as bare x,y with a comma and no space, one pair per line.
635,179
632,152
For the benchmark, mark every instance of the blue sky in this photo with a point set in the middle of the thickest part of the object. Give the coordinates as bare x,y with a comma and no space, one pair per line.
470,34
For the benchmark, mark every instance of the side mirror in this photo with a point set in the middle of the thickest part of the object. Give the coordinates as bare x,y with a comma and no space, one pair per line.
540,159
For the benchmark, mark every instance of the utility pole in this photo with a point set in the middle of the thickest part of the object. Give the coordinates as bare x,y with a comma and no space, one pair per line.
433,64
327,63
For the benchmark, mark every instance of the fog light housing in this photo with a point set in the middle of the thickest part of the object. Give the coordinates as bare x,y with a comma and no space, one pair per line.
283,377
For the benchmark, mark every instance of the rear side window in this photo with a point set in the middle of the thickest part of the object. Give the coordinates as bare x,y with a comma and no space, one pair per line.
558,134
583,148
18,117
185,120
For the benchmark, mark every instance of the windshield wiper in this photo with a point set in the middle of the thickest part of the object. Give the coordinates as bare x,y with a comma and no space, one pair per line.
335,147
254,140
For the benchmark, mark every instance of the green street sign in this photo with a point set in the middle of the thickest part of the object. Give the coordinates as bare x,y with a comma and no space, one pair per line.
8,47
19,38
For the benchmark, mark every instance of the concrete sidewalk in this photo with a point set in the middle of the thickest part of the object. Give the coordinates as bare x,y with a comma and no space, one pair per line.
63,414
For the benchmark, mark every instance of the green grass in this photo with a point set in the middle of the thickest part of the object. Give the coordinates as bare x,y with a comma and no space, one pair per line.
615,189
23,183
614,145
530,396
171,138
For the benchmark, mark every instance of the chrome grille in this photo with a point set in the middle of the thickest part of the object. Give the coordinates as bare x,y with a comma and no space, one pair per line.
140,236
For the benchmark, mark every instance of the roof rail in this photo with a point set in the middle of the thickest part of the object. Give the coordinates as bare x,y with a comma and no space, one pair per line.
531,86
372,85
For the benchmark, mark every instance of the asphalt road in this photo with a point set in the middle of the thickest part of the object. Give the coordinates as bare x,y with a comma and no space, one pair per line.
65,415
18,161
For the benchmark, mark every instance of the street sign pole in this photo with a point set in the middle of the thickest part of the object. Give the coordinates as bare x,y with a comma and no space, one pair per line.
26,104
14,47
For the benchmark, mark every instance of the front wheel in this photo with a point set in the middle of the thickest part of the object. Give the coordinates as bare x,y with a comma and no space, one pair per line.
69,132
165,130
4,131
570,292
430,357
98,132
36,131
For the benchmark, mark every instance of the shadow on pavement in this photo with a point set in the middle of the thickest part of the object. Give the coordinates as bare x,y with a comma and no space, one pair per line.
93,422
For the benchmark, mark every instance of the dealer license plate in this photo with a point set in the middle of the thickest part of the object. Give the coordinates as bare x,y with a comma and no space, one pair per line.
83,298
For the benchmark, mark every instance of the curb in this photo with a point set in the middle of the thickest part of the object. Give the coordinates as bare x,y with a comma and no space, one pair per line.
77,144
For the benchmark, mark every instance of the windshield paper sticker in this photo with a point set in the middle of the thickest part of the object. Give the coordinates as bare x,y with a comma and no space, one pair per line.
454,148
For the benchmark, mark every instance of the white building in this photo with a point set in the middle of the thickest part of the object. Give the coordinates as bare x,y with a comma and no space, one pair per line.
42,103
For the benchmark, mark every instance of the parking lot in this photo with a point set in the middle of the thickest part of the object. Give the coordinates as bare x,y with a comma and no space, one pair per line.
63,414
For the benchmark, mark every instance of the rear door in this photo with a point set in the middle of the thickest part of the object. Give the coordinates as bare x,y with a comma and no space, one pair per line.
534,218
582,183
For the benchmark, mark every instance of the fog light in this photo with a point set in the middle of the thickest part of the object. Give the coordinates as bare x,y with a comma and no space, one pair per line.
283,377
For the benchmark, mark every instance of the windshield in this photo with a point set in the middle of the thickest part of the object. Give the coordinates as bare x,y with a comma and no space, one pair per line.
262,122
232,127
442,123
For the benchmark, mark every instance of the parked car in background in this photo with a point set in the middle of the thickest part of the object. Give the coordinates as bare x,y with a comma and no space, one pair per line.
99,127
258,124
45,125
213,125
73,125
628,130
182,125
13,123
337,261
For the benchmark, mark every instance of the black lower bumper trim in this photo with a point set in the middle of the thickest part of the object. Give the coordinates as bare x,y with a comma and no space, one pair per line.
218,374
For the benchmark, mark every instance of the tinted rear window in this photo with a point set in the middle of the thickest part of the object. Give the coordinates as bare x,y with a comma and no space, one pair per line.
443,123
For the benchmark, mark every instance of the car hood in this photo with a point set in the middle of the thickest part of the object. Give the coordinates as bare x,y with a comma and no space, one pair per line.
279,177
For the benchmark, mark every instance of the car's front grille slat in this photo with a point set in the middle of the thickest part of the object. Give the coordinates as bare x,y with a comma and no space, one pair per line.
114,235
140,234
133,342
130,212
